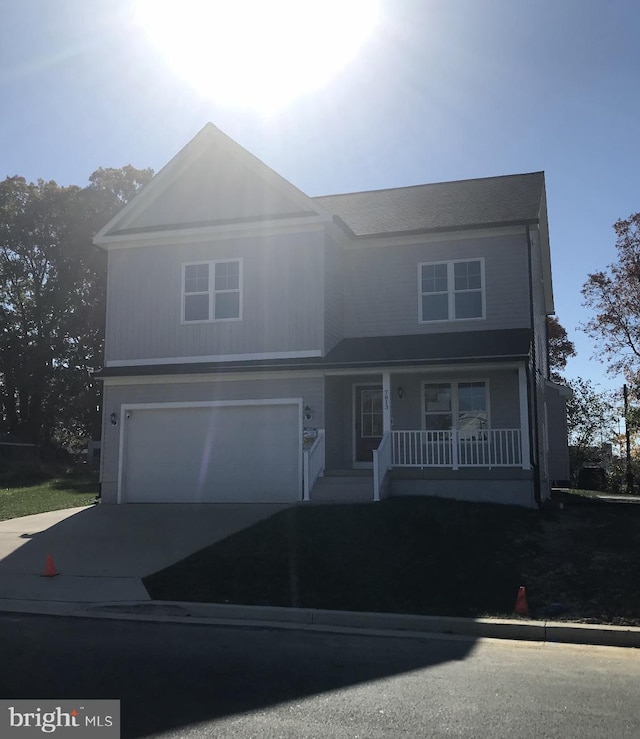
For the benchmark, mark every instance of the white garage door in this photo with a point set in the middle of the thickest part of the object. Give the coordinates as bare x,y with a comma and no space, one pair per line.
217,453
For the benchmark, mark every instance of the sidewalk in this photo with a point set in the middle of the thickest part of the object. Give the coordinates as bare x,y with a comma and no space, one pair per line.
104,551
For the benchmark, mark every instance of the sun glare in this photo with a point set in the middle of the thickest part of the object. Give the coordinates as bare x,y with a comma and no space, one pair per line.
257,53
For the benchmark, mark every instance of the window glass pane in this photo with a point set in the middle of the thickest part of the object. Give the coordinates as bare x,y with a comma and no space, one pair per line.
227,275
434,278
371,412
227,305
468,305
472,421
367,424
475,280
367,402
196,278
376,425
437,397
438,421
472,406
196,307
472,396
467,275
376,401
435,307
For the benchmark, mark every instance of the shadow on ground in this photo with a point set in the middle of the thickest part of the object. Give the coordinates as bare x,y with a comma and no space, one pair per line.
174,677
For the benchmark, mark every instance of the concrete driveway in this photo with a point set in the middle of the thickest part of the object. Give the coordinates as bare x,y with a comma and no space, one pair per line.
102,551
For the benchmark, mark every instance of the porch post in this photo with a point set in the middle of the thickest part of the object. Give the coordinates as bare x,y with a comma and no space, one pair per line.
524,419
386,402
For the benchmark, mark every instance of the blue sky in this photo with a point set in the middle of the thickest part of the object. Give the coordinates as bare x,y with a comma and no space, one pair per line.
442,90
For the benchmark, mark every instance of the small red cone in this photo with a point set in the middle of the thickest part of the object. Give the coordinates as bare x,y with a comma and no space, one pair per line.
522,607
49,568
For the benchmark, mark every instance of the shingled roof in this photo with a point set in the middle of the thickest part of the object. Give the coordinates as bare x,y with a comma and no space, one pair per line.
463,204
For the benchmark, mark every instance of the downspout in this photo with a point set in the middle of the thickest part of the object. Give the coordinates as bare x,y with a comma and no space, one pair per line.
534,437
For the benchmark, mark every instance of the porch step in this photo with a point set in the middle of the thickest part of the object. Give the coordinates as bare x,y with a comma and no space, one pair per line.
333,488
349,473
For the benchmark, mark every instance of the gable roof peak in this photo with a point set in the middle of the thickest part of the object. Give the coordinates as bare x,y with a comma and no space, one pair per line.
211,183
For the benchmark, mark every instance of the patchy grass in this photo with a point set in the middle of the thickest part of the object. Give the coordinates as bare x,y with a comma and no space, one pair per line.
25,498
579,492
425,556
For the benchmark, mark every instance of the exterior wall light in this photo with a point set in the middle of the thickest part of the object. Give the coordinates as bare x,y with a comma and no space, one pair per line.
307,413
114,419
400,393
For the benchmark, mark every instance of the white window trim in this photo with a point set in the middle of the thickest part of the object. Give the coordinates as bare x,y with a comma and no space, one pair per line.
455,405
451,292
212,291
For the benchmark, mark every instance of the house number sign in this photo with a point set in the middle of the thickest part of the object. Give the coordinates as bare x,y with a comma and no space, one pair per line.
386,400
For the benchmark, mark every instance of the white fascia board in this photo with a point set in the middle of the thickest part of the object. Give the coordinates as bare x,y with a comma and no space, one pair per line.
212,358
306,374
178,237
422,369
221,377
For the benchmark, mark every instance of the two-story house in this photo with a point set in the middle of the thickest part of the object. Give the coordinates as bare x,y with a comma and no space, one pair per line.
263,345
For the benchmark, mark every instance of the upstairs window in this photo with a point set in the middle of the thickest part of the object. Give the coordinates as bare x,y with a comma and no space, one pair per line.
212,291
451,291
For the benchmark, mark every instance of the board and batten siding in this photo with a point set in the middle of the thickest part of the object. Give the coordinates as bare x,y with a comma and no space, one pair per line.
333,296
310,390
282,299
381,286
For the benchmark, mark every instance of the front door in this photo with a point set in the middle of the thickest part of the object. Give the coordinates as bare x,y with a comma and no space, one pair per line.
368,421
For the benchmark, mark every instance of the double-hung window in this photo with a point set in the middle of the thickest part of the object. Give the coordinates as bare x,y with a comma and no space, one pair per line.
212,291
456,405
451,291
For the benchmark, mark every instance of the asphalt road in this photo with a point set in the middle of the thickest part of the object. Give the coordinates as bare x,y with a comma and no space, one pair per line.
204,681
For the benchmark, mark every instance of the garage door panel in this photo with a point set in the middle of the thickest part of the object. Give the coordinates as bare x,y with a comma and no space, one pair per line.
213,454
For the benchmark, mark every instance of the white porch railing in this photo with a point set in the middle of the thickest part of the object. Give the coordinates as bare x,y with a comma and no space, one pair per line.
313,464
382,460
454,448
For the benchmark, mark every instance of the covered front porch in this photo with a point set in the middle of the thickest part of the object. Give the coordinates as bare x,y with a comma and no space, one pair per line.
448,424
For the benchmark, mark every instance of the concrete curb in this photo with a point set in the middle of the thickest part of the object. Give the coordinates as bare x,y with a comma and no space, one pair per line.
389,624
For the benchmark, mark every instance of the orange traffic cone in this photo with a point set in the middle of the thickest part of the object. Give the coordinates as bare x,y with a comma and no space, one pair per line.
522,607
49,568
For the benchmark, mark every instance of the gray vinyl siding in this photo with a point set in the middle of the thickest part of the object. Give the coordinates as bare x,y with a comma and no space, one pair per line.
381,286
504,410
333,296
558,436
311,390
282,299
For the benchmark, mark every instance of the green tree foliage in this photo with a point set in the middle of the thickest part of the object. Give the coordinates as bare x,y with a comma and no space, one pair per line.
560,348
52,302
591,418
614,296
